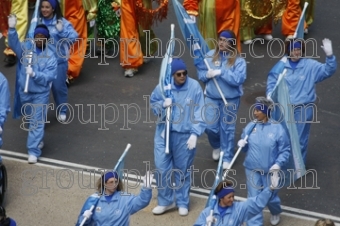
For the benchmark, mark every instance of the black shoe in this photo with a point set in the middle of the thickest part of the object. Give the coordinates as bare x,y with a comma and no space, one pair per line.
10,60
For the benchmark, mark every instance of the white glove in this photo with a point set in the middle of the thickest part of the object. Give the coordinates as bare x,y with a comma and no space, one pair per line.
59,25
12,21
274,180
193,18
210,220
30,72
213,73
275,167
327,47
192,141
87,214
241,143
269,98
0,130
147,179
167,102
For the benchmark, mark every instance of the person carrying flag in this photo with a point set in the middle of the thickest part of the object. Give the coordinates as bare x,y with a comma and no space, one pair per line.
229,70
228,212
301,77
63,35
42,73
111,205
186,125
267,151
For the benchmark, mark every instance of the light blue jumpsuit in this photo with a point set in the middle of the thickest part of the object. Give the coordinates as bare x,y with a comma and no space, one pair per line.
268,144
62,42
186,120
221,120
5,106
117,211
35,101
238,212
301,85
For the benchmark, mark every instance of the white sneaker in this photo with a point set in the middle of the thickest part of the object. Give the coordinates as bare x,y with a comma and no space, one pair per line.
130,72
61,117
183,211
247,42
216,154
226,165
162,209
41,145
268,37
275,219
32,159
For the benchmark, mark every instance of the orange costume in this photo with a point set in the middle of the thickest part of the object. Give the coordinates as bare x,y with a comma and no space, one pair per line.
74,12
290,17
136,16
131,56
215,16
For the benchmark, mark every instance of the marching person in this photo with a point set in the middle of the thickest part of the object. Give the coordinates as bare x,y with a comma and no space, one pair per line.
186,125
267,151
63,36
42,73
228,212
5,106
301,77
216,16
74,12
111,205
229,70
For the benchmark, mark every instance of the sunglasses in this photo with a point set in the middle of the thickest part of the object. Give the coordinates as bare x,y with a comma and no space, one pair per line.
179,74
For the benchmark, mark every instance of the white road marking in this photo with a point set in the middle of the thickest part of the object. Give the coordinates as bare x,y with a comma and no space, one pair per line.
293,212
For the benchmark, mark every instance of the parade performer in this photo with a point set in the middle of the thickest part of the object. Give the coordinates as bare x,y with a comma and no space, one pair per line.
215,16
20,9
74,12
63,35
91,9
5,106
135,17
186,126
228,212
302,74
42,72
267,149
111,205
290,18
229,70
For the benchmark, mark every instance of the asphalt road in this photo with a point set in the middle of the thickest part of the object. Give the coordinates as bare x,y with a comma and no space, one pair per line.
99,143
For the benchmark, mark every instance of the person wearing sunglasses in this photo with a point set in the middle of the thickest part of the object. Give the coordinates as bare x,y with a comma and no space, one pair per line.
228,68
42,71
186,124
